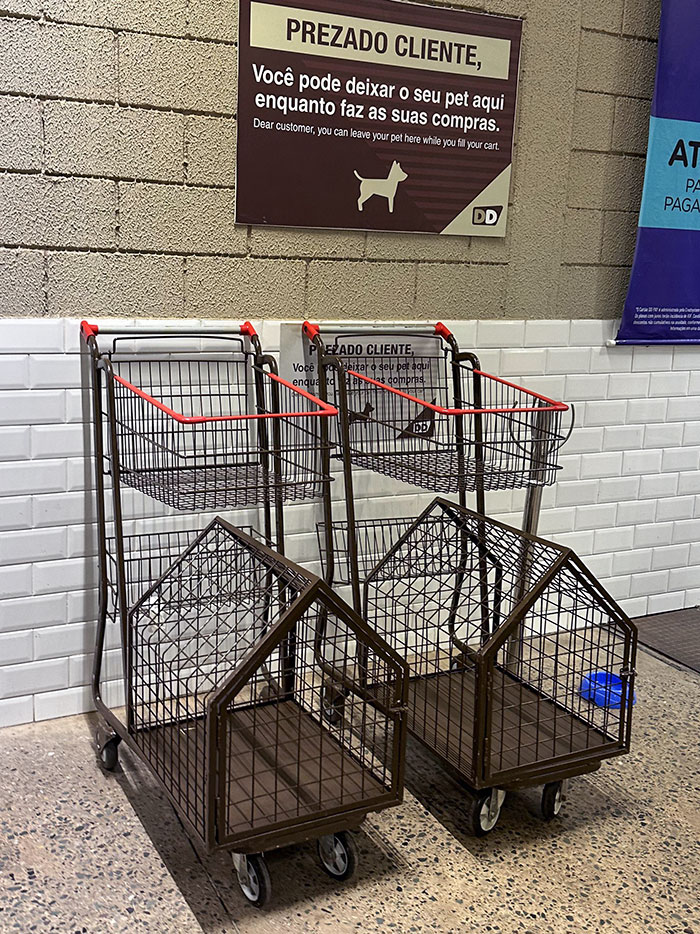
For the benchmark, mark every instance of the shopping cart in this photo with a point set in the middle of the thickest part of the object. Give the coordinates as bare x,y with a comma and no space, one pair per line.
501,632
233,654
192,421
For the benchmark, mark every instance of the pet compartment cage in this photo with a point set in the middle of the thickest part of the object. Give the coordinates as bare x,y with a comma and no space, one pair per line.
500,630
235,656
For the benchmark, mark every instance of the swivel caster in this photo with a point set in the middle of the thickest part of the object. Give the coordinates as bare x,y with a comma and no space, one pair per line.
107,744
338,855
552,800
485,810
253,878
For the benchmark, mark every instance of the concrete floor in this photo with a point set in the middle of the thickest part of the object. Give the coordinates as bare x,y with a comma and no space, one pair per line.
82,851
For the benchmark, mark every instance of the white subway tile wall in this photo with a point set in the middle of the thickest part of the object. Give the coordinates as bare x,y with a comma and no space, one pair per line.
627,499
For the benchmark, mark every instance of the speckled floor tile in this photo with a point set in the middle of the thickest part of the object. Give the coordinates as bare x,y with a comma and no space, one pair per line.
74,856
623,857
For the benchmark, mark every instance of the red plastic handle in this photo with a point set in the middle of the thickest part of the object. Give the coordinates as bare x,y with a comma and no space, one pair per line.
310,330
248,329
88,330
442,331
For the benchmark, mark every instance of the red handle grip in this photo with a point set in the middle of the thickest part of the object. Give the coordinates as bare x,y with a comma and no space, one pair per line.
442,331
310,330
88,330
248,330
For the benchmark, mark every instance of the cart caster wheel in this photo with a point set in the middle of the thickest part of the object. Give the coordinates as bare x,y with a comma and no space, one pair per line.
254,879
332,706
109,752
552,798
485,811
338,855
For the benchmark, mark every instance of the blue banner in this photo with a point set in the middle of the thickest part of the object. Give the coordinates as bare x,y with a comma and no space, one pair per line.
663,300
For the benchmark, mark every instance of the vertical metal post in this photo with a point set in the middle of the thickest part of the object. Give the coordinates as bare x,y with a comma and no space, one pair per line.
531,518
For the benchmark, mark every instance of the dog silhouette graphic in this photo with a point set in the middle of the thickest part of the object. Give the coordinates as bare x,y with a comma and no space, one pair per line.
385,187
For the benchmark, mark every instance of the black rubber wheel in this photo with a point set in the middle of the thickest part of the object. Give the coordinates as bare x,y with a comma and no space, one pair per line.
332,706
345,856
551,800
109,753
258,889
481,823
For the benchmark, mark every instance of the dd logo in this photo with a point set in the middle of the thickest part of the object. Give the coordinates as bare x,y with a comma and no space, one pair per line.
487,216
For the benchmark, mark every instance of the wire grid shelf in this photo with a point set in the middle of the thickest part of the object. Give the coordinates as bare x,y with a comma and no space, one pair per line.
198,432
489,433
499,629
219,636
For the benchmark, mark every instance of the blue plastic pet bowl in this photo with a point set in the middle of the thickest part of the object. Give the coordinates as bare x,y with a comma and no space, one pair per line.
604,689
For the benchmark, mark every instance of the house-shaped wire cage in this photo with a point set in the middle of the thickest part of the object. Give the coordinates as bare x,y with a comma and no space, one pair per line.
237,659
502,632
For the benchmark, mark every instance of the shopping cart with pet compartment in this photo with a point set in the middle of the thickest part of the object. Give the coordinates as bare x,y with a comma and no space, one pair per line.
185,421
503,634
233,652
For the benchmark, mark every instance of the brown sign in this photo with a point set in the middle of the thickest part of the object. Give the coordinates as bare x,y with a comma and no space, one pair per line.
375,115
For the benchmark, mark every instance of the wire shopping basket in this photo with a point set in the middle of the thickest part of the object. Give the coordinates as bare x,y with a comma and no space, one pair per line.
467,430
209,430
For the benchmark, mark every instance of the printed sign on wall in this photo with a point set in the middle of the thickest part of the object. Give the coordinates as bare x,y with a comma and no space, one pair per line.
663,299
375,115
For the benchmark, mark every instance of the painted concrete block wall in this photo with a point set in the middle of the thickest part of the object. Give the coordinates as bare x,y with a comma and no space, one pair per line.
117,127
627,498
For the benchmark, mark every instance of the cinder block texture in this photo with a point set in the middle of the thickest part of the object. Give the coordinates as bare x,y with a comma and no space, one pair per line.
114,284
21,282
20,133
93,139
43,211
164,16
641,19
172,218
631,126
224,287
605,182
210,148
583,234
454,290
178,73
365,289
616,65
602,14
593,121
57,60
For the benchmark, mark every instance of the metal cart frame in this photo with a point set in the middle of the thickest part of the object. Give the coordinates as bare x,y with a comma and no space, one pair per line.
130,564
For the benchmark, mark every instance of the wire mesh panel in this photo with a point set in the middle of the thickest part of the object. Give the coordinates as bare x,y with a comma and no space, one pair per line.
198,432
318,745
499,630
374,539
229,653
538,710
463,430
